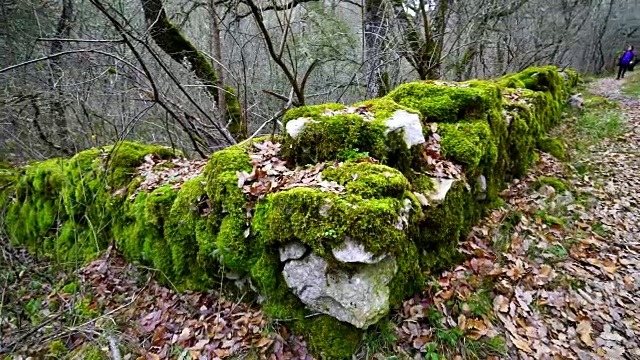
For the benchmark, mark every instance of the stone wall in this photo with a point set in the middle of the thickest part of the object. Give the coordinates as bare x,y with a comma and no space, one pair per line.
340,218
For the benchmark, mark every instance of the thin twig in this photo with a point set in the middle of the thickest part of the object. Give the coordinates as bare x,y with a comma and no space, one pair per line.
52,56
115,352
15,344
83,40
287,107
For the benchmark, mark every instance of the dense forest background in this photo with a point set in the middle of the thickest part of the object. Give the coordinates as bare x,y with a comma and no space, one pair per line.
201,75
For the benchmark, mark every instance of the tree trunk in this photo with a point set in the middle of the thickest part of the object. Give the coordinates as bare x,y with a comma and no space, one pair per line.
436,41
216,50
63,29
375,35
172,42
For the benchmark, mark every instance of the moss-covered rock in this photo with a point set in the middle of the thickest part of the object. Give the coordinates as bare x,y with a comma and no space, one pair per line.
448,102
379,128
469,143
409,205
555,183
553,147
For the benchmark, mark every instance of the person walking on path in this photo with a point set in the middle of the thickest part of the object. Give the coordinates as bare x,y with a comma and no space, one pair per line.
624,62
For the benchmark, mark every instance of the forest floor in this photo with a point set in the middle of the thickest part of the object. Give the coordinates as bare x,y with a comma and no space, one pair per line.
553,273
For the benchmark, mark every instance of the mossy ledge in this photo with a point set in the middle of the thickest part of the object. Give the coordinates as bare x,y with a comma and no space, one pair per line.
389,199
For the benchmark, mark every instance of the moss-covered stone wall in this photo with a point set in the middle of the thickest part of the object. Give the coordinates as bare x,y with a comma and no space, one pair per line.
394,181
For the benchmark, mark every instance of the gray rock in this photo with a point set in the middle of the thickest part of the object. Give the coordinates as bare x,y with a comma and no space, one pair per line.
483,187
576,101
293,250
565,76
295,127
354,252
565,199
410,123
324,209
233,275
403,215
360,298
442,187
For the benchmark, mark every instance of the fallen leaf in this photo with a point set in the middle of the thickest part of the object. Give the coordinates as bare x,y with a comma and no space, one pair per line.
520,344
584,329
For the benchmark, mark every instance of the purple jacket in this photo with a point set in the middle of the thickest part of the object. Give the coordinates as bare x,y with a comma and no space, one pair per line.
627,57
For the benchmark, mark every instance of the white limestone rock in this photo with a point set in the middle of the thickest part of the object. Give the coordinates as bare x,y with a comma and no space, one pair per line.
442,187
353,252
324,209
576,101
360,298
403,215
483,187
410,123
295,127
292,251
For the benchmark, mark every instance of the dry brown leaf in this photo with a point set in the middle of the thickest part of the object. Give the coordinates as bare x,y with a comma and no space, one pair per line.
264,342
584,329
501,303
520,343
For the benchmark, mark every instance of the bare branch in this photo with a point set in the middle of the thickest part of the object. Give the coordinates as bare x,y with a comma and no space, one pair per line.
83,40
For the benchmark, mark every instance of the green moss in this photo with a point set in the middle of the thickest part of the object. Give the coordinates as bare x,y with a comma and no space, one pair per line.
573,79
442,103
130,228
368,180
548,83
329,338
86,309
35,207
70,288
521,143
555,183
327,137
441,230
296,214
232,244
205,232
222,181
91,177
180,231
468,143
157,211
554,147
266,273
511,81
234,114
383,108
57,349
422,183
323,220
89,352
311,112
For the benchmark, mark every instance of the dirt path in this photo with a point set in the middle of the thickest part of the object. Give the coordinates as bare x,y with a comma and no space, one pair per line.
597,316
613,297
